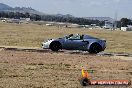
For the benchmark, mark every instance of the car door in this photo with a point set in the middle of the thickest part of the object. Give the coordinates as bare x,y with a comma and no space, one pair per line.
68,44
75,43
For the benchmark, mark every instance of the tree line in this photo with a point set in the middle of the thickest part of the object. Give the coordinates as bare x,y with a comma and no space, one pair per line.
36,17
124,22
69,19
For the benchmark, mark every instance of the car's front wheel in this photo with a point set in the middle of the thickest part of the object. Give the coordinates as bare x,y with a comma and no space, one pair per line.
95,48
55,46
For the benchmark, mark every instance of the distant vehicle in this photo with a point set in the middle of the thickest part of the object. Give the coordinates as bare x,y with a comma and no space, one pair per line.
76,42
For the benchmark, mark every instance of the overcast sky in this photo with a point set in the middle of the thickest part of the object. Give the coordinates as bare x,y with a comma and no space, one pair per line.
79,8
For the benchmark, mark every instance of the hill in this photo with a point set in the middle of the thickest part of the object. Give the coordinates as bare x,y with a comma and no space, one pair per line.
7,8
100,18
4,7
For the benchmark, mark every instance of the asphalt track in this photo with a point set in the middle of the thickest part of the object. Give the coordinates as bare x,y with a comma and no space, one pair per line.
64,51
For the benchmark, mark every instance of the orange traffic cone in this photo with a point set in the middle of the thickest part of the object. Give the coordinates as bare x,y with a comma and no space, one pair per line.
85,73
85,78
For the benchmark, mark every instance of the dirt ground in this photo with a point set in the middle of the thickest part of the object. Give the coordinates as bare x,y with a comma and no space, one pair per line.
19,69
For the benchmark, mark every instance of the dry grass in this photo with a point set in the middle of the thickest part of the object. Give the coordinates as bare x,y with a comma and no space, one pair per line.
58,70
31,35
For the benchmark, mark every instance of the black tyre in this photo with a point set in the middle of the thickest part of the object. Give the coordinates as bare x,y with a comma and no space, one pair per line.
95,48
55,46
85,82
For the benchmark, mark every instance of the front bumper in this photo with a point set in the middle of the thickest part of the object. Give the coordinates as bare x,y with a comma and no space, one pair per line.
104,46
44,46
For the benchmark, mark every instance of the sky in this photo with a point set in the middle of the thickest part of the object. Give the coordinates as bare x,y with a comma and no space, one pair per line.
79,8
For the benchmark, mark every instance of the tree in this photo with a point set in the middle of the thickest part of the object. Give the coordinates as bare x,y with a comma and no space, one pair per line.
124,22
118,24
11,14
27,15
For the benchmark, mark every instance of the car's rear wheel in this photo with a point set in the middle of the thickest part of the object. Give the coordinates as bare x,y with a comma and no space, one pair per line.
55,46
95,48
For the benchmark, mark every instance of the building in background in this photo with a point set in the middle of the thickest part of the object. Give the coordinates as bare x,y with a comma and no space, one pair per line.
108,25
128,28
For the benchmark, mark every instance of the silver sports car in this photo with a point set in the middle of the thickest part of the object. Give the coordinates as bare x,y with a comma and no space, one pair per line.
76,42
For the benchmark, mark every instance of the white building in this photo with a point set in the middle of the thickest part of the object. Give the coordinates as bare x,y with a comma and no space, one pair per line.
108,25
129,28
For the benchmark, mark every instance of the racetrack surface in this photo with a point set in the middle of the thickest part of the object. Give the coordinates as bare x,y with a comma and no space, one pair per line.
35,49
22,69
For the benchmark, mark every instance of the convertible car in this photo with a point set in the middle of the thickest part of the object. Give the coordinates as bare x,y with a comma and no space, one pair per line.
76,42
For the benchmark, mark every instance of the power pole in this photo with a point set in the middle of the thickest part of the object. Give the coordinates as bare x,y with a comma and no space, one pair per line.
115,21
